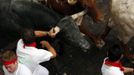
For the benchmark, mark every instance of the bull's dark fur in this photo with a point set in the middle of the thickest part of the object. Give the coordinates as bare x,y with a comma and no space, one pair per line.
16,15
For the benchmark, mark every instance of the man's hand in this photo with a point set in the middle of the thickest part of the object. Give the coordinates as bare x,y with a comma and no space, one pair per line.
54,31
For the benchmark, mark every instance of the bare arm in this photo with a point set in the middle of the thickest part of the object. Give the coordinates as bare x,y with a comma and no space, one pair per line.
127,70
49,47
52,33
39,33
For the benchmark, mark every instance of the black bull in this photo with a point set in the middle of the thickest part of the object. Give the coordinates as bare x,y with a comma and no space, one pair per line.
15,16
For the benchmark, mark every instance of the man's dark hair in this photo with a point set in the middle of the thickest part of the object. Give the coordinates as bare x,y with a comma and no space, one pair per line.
28,35
115,53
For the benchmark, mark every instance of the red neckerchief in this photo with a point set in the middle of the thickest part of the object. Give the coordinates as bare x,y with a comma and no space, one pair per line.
115,64
33,44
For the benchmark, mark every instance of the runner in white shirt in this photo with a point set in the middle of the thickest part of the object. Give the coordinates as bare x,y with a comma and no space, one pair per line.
110,70
11,65
29,55
112,64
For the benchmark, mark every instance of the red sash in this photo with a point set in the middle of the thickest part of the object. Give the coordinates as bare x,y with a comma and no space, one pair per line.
115,64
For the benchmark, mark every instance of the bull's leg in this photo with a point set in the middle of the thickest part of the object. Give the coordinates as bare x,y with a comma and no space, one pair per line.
105,33
92,10
97,15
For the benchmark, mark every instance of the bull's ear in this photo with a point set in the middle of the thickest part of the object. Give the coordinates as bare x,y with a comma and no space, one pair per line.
72,2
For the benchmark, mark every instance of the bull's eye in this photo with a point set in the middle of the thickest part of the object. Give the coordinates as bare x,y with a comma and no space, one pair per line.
72,2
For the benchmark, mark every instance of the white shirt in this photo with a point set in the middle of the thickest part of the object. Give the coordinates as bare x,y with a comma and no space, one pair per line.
110,70
21,70
31,57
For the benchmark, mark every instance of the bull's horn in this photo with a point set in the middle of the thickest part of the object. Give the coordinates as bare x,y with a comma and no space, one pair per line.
75,16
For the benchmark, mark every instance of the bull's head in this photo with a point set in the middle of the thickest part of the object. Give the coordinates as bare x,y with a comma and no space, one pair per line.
71,34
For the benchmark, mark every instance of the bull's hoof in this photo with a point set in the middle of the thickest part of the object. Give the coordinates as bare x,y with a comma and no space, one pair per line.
100,43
